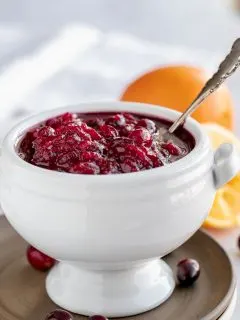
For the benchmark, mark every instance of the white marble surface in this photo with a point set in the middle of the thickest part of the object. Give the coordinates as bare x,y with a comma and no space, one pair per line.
62,51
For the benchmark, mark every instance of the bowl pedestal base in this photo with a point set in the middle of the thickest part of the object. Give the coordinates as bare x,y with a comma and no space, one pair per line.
112,290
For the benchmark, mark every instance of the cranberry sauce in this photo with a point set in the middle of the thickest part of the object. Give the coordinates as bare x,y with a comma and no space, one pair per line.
102,143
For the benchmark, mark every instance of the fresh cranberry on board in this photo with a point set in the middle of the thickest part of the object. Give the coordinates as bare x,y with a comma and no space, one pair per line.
188,271
39,260
59,315
97,317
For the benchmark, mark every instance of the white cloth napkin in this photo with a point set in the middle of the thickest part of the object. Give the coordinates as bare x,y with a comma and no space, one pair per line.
81,63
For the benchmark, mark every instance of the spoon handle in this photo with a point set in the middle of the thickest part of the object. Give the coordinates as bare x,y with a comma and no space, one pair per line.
227,67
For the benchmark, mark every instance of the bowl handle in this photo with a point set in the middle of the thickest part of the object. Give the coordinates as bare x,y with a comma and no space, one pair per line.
226,164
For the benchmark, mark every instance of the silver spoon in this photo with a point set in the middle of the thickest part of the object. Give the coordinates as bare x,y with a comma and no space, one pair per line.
227,67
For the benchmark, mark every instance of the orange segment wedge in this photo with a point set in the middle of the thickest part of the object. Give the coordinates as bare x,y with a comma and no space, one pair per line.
219,135
225,212
221,215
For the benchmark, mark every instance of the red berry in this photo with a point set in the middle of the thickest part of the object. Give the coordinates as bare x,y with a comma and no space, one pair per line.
43,157
97,317
84,145
109,166
45,131
171,148
90,156
39,260
141,136
73,128
95,123
129,165
108,132
148,124
117,120
35,131
99,147
92,132
43,136
130,118
85,168
70,143
154,157
59,120
72,139
59,315
127,129
139,155
67,159
118,146
188,271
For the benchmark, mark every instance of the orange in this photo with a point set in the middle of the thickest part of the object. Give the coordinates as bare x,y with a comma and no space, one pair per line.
220,216
175,87
225,212
218,135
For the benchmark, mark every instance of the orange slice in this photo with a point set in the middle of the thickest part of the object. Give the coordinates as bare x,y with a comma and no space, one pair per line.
219,135
225,212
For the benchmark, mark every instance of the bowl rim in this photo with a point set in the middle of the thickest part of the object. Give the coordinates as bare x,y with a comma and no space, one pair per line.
193,159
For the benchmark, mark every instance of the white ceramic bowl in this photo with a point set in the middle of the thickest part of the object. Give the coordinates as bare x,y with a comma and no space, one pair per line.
108,232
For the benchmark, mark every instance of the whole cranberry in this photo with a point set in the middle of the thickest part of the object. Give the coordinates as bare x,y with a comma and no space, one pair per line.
72,128
44,136
85,168
45,131
148,124
137,153
118,146
141,136
130,118
108,166
90,156
65,160
129,165
108,131
99,147
95,123
57,121
43,157
125,131
91,131
83,145
97,317
39,260
59,315
154,157
171,148
117,120
188,271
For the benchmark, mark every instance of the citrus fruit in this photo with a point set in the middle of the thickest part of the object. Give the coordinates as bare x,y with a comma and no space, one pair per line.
225,212
219,135
175,87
